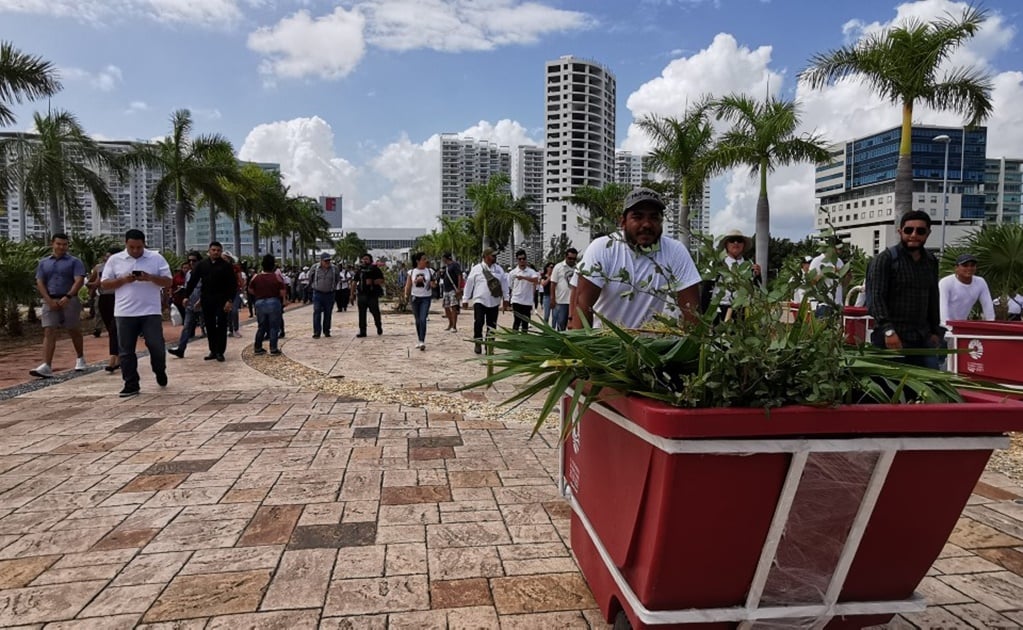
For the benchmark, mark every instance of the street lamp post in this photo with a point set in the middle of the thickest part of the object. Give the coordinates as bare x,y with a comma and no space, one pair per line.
946,140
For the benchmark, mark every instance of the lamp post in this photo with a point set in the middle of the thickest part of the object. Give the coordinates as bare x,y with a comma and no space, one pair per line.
946,140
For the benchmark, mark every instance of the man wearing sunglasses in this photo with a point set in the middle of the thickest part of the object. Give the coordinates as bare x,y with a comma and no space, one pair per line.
902,285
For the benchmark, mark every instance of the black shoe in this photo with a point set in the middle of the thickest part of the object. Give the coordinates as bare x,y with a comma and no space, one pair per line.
96,333
380,330
317,336
478,349
128,392
209,357
178,352
362,334
220,358
326,334
281,336
112,368
161,379
259,351
275,352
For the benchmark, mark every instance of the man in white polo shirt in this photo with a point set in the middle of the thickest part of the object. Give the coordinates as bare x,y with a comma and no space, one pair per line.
660,271
138,276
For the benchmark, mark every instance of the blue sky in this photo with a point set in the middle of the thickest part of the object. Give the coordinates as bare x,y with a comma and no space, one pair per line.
350,96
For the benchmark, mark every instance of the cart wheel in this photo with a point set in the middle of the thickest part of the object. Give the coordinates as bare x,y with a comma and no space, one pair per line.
622,621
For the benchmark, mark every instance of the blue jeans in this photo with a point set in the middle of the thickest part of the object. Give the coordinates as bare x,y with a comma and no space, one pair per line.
269,317
559,316
235,323
187,329
420,309
323,307
128,331
546,299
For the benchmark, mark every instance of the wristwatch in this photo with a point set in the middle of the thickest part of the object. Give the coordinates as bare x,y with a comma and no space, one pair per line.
890,332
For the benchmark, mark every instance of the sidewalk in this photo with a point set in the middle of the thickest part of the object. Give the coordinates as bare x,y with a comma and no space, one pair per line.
342,485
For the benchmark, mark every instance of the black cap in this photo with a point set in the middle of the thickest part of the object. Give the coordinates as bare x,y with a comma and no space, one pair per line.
640,196
965,258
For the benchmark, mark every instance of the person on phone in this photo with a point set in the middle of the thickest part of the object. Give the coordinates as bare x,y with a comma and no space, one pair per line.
367,287
219,287
138,276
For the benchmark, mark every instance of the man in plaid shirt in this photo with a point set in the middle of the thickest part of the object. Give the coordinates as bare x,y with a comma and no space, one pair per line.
902,288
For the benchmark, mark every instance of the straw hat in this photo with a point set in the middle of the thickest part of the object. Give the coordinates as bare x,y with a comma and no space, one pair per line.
748,242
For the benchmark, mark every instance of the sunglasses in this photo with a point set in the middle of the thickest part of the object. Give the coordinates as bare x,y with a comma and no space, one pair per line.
521,258
919,231
735,239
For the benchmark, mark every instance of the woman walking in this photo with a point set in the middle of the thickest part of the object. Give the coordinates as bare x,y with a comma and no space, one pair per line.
419,288
544,291
105,304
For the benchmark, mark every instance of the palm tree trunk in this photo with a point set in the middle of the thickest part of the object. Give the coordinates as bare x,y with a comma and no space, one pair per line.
684,233
54,224
763,225
236,225
213,222
179,228
904,169
255,239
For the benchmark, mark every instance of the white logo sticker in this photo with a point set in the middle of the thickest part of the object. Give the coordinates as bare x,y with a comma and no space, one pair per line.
976,348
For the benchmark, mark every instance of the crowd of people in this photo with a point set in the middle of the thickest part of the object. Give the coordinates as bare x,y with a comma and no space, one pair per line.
132,286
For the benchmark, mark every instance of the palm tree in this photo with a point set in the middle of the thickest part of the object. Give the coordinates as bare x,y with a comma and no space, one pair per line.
50,166
901,64
762,138
23,78
497,212
350,247
999,252
191,167
455,236
680,149
603,206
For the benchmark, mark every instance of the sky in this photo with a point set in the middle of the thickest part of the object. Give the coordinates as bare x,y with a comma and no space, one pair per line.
350,97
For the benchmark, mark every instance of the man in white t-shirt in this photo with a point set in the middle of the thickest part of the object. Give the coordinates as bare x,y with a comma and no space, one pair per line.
522,281
561,289
957,293
659,270
138,277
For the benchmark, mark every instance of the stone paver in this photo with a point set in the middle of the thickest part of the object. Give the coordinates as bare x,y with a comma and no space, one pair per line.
233,499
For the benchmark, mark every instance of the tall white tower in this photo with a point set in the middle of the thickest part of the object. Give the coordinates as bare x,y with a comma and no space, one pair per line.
579,141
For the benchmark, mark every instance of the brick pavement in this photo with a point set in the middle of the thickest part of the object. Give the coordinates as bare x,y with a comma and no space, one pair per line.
231,499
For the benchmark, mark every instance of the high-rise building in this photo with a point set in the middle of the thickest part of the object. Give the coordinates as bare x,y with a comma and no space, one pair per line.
856,188
629,168
527,182
198,234
579,132
463,162
132,194
1002,190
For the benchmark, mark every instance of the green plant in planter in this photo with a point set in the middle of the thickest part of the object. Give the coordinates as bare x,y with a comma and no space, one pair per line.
754,359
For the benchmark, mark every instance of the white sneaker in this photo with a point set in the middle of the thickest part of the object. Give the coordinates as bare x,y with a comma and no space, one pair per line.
80,365
43,371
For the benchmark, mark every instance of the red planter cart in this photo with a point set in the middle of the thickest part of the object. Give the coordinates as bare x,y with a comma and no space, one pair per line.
989,350
802,517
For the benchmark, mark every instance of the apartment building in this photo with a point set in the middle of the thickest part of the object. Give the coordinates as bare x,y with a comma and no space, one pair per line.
579,141
463,162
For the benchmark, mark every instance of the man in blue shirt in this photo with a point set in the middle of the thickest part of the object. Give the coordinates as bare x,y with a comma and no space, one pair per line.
59,276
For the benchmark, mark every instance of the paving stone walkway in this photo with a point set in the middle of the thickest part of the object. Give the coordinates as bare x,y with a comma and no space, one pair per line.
231,499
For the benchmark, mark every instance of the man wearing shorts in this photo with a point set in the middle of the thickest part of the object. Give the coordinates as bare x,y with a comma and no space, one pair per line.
59,276
451,279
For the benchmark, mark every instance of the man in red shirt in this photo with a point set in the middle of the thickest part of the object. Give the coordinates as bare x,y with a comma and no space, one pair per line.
268,291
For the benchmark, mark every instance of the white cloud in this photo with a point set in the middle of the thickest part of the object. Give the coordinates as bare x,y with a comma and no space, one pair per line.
304,147
104,80
329,47
839,112
135,107
208,113
458,25
210,13
399,187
